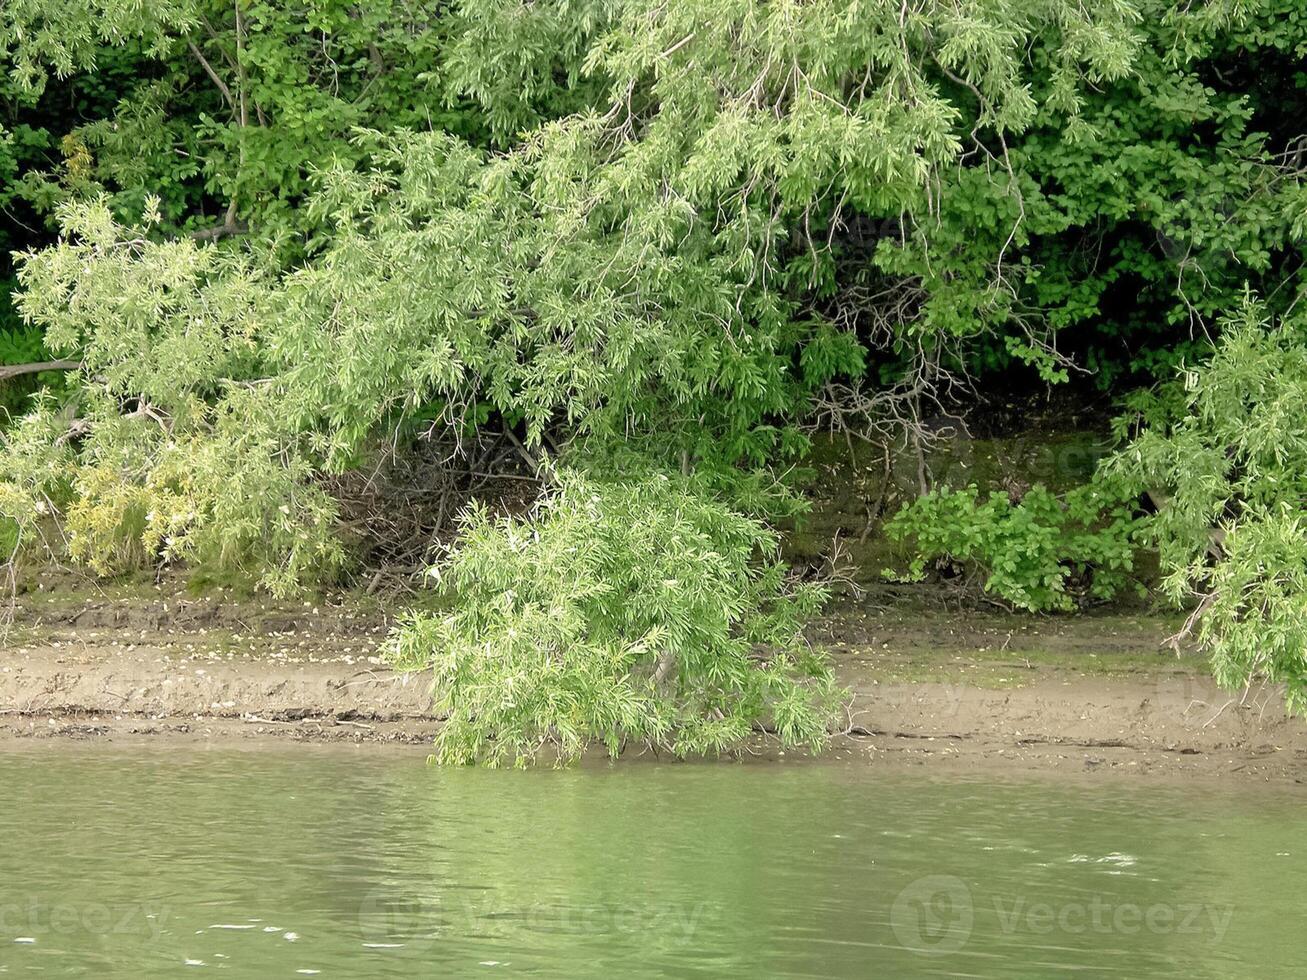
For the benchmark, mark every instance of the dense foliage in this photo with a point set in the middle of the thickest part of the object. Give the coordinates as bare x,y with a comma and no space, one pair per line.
645,250
1041,552
618,611
1228,463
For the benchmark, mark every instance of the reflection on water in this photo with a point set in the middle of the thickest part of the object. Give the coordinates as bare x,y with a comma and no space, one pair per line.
346,865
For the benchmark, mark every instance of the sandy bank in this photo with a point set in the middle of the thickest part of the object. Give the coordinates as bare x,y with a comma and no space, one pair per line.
944,690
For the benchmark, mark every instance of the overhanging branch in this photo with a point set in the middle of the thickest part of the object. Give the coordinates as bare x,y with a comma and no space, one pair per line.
15,370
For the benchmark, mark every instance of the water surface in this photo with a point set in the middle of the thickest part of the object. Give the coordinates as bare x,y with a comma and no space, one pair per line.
341,864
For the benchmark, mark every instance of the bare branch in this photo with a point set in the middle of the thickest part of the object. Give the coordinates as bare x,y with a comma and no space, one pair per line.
15,370
213,75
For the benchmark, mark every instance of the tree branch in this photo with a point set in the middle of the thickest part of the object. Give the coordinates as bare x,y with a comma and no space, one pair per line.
14,370
213,75
229,226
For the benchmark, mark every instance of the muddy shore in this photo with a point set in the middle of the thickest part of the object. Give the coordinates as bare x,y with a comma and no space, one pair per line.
938,689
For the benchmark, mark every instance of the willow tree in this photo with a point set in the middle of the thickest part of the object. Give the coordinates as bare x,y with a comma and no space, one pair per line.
646,293
1225,457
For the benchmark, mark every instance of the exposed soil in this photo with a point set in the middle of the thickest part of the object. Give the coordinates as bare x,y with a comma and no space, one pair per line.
945,690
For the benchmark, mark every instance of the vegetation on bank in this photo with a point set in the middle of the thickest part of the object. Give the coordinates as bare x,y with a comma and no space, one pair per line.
550,298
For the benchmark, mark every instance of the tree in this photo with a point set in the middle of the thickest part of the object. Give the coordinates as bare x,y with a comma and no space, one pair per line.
1227,462
633,244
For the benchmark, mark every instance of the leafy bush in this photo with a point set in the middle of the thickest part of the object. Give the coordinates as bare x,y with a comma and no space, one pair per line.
1229,472
1040,553
640,610
37,468
168,449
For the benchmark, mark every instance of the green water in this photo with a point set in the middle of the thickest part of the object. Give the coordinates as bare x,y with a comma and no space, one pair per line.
370,865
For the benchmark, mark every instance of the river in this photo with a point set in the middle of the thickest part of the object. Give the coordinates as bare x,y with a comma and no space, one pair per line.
273,863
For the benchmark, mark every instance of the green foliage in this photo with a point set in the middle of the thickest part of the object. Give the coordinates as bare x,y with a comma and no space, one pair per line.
1229,472
523,64
1119,236
1045,199
278,235
37,467
62,36
163,321
178,455
1040,553
635,611
618,278
213,106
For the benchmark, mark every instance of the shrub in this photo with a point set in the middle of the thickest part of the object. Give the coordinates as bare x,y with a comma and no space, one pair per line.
635,611
1040,553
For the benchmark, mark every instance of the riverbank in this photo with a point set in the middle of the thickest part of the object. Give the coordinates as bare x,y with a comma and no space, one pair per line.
933,688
